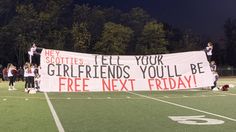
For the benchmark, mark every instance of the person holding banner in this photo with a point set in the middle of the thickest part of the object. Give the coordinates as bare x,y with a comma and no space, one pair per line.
32,52
208,51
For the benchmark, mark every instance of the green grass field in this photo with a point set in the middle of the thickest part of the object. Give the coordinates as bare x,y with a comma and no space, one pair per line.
118,111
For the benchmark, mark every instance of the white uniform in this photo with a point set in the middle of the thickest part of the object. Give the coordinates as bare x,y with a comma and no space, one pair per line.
31,73
25,72
31,53
9,72
209,50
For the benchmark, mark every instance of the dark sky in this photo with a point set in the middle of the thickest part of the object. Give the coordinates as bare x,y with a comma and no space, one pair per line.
205,17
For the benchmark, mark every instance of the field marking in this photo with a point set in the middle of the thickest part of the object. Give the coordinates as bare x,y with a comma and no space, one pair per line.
216,94
182,106
22,97
54,114
107,98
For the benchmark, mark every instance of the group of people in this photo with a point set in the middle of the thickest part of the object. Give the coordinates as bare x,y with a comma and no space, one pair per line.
17,76
29,73
32,77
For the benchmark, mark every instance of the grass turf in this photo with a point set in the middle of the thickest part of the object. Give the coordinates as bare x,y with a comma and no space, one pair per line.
114,112
21,112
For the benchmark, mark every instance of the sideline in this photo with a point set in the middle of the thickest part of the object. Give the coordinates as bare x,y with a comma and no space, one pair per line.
54,114
186,107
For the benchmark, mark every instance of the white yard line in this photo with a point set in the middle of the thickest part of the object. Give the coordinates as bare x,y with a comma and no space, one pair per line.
107,98
182,106
54,114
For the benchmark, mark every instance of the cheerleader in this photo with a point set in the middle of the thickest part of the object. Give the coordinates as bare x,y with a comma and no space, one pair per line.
32,51
30,72
10,70
26,76
208,51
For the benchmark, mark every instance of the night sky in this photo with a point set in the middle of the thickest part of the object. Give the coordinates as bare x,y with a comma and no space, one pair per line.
204,17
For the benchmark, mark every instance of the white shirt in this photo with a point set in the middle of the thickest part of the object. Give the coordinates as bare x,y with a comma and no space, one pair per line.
9,72
32,50
213,67
25,72
209,50
30,72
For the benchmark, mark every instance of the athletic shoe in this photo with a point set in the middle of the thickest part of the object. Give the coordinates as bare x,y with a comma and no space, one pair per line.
26,90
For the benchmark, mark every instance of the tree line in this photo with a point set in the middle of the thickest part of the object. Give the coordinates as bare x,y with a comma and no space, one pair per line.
69,25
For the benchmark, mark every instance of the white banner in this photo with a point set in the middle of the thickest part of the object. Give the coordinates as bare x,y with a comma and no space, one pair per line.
64,71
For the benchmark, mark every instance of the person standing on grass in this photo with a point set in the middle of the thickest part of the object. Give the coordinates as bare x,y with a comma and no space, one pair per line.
20,74
26,76
208,51
15,73
37,81
10,71
30,72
